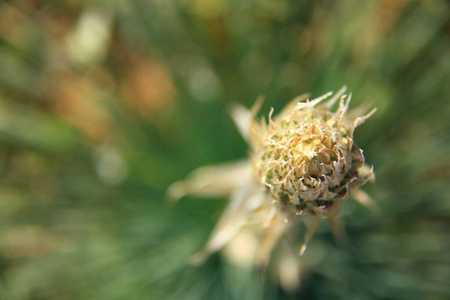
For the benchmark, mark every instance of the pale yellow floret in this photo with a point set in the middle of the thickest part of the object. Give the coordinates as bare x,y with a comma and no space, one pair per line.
304,164
307,158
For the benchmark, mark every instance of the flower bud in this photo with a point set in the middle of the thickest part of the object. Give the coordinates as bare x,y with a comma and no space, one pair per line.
307,158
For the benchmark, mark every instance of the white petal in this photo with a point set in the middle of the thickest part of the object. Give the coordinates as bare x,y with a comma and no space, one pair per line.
234,217
212,181
290,107
243,117
362,119
327,105
311,223
271,236
364,199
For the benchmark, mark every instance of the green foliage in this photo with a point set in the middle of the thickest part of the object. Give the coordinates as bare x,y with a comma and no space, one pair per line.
90,139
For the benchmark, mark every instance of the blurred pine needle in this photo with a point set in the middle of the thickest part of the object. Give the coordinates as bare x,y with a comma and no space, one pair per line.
103,104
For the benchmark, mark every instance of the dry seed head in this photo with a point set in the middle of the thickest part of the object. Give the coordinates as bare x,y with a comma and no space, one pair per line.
307,158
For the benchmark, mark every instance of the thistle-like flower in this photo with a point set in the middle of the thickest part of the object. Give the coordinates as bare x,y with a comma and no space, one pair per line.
303,164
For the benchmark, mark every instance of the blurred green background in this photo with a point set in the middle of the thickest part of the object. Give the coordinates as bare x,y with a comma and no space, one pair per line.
105,103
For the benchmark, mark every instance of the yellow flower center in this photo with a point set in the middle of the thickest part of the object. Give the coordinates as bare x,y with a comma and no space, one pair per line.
307,161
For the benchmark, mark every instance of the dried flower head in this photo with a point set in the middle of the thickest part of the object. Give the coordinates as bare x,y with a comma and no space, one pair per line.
304,163
307,158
